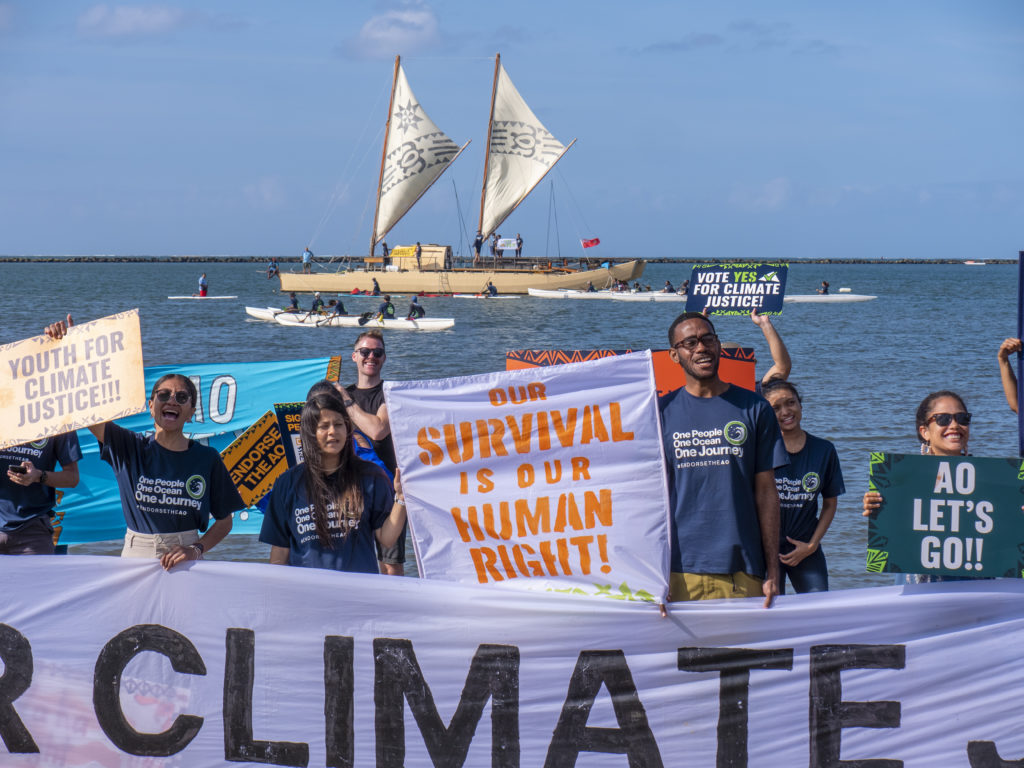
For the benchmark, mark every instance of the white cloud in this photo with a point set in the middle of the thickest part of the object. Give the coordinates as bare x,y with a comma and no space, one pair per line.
410,29
266,193
769,196
124,21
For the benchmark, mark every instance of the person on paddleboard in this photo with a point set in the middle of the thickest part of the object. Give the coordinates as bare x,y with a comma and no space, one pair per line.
203,284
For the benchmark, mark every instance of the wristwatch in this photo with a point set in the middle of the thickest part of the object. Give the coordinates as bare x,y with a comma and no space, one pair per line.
348,403
42,477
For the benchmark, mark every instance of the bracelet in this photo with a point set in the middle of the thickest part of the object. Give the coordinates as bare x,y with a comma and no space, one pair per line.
42,477
399,502
199,545
199,550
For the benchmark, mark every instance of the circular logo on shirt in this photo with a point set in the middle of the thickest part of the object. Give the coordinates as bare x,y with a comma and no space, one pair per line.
196,486
810,482
736,432
39,444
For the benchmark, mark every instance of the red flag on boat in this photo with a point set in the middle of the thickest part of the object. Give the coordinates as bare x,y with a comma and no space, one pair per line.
590,243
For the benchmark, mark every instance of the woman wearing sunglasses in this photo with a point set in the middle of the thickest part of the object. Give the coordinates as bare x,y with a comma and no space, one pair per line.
813,471
943,427
170,485
329,511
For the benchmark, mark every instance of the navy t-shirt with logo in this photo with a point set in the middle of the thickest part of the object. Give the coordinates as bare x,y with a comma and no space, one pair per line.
20,504
714,446
812,472
289,523
165,491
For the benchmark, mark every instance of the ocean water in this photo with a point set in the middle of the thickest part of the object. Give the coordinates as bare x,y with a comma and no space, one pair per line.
861,368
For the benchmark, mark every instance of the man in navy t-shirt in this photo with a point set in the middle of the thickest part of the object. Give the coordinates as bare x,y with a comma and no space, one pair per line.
28,477
722,445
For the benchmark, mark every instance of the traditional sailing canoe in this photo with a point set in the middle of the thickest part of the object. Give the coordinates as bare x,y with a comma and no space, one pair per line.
514,166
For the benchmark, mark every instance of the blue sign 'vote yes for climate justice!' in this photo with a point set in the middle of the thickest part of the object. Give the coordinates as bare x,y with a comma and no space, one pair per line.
737,289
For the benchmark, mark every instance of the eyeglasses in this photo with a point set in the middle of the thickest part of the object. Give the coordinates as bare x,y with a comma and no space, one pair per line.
963,418
365,352
180,396
690,343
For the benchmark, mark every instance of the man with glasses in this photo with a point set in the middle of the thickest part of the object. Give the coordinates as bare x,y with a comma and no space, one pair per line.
722,445
369,413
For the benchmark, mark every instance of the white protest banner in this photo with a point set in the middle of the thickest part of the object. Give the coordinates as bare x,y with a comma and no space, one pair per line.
51,386
548,478
115,662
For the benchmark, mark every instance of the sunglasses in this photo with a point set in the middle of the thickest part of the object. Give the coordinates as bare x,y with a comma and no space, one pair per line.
365,352
180,396
945,419
708,340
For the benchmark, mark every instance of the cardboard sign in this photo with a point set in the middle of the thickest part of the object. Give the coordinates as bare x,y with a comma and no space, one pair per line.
94,374
737,289
550,478
256,459
736,365
950,516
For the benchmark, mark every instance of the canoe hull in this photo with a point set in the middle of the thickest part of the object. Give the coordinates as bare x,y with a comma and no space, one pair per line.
352,321
517,281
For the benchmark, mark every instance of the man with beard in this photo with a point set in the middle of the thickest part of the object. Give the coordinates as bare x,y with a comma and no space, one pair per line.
722,445
368,411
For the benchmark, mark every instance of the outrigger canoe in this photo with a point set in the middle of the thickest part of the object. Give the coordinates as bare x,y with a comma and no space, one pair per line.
360,321
828,298
606,294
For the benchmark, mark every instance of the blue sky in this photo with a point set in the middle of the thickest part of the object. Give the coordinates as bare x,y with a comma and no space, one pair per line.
784,130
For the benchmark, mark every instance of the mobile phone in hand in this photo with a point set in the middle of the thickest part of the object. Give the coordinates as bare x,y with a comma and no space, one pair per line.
17,469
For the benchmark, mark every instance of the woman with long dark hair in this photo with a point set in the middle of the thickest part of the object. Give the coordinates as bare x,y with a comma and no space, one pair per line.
327,511
813,472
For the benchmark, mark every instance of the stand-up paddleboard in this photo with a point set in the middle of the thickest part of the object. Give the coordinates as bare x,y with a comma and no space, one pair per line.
828,298
202,298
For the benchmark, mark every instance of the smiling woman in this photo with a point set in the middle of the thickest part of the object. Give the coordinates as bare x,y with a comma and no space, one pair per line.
169,485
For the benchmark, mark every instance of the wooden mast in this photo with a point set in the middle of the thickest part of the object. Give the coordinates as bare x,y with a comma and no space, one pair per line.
383,157
487,151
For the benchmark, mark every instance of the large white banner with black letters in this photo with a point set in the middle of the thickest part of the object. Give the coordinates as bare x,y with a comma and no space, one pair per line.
117,663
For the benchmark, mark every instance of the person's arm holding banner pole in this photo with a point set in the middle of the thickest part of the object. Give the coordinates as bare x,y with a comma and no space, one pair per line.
766,497
1020,358
393,527
1006,373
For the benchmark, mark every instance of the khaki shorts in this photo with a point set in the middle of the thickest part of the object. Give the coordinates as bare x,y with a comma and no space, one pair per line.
713,586
154,545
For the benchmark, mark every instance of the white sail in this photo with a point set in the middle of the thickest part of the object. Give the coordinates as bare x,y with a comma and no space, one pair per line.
520,152
416,152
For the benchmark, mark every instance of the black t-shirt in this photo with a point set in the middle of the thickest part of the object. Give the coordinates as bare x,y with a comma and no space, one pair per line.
370,400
